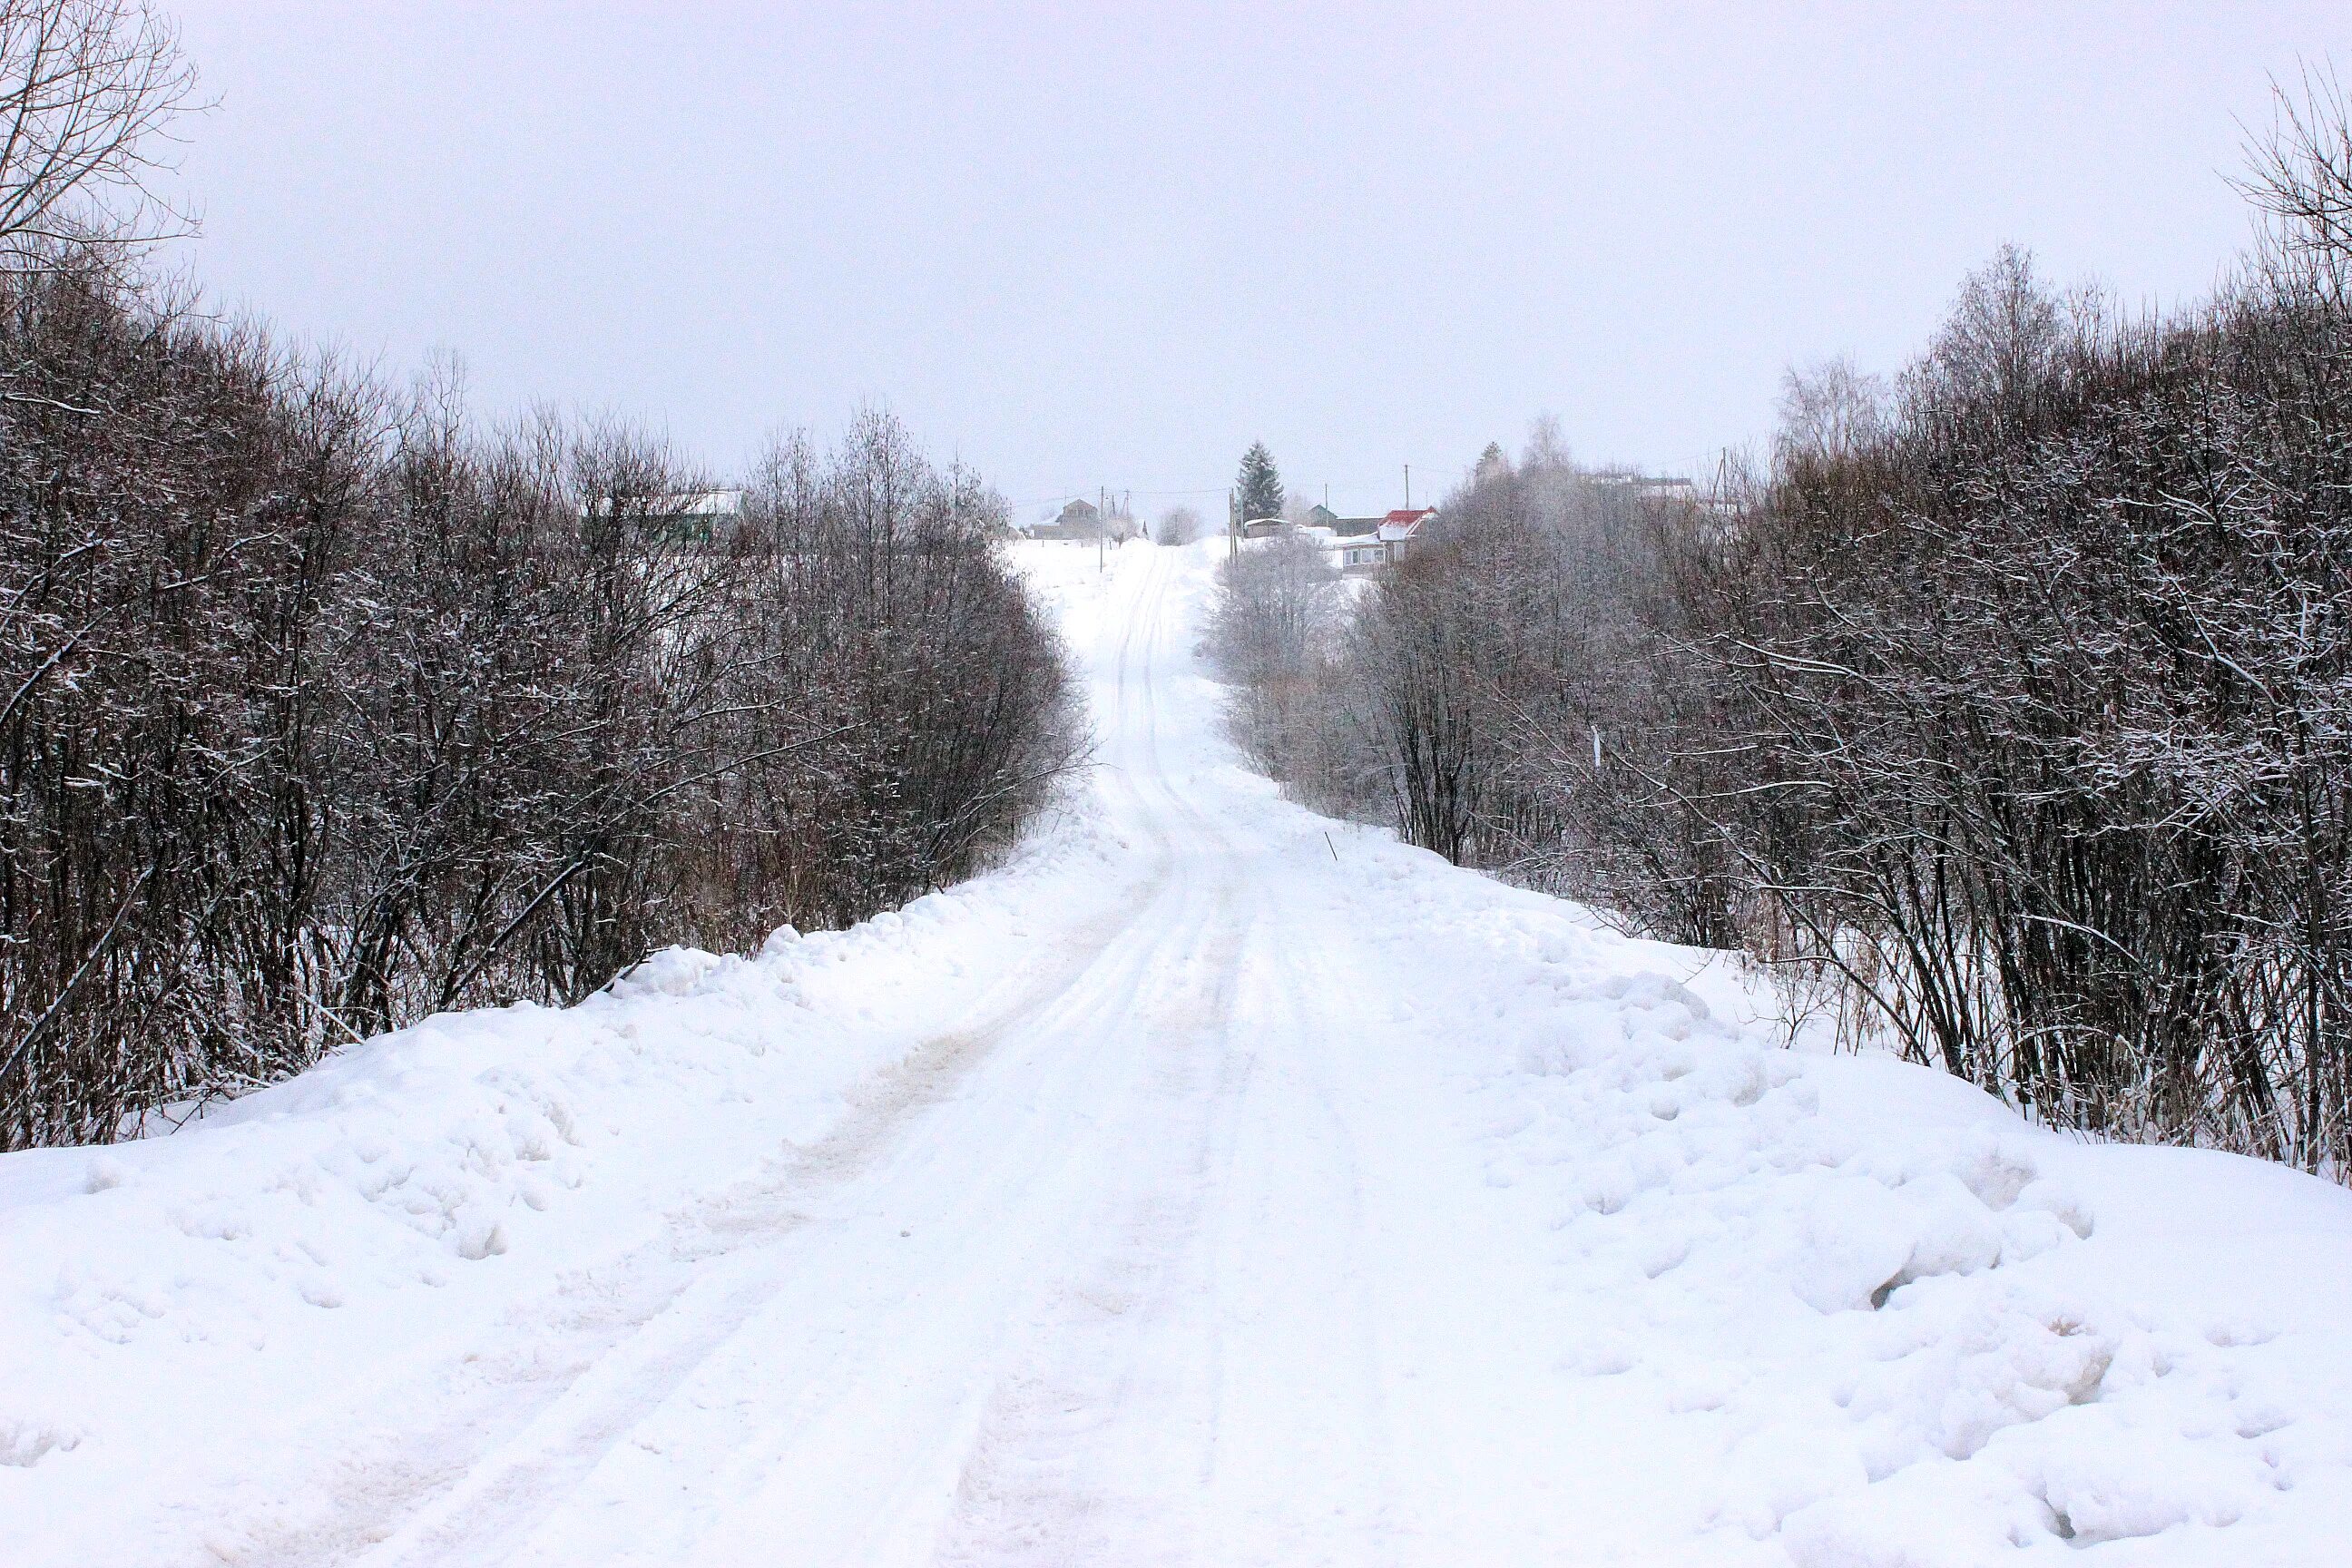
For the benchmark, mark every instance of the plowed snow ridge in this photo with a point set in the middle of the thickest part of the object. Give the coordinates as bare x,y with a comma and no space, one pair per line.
1215,1185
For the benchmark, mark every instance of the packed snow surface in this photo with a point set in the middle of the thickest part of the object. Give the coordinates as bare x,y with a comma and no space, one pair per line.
1215,1184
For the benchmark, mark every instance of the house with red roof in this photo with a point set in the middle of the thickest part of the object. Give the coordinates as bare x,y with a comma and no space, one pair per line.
1369,543
1401,531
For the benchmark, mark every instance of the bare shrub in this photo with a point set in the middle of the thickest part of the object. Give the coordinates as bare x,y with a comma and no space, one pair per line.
321,709
1272,635
2006,716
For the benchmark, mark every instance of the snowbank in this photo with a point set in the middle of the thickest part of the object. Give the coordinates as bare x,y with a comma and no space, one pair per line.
176,1312
1893,1325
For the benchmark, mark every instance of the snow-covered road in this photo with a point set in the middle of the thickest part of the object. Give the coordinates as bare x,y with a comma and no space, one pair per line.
1216,1185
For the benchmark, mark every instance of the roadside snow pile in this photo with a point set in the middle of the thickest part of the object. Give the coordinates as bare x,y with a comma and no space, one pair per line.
1854,1316
1895,1326
311,1245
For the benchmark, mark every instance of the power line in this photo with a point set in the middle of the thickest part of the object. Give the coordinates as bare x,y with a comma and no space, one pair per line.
1461,472
1079,495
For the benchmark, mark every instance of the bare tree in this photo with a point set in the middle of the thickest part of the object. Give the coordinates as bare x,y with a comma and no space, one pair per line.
1829,410
88,89
1178,525
2300,176
1271,633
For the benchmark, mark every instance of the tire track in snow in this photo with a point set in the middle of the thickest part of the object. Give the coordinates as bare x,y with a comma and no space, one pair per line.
516,1435
1223,1288
1104,1000
1035,1488
1120,1123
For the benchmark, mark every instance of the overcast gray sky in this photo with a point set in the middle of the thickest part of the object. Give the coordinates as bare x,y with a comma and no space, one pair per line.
1082,245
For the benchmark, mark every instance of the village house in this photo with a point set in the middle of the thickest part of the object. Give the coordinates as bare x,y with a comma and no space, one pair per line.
1650,487
1362,544
1356,544
679,522
1079,520
1401,531
1359,552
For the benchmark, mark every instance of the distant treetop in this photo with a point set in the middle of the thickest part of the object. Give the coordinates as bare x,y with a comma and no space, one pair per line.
1260,482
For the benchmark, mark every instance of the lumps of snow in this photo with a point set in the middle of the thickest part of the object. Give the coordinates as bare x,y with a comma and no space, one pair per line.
1887,1306
24,1444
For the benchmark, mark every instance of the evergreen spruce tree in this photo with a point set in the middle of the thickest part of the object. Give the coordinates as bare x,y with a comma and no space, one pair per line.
1261,484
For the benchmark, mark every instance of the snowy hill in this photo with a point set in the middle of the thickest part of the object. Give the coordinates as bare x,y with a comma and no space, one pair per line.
1217,1184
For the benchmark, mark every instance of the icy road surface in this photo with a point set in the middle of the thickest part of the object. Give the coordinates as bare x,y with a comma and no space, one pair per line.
1215,1185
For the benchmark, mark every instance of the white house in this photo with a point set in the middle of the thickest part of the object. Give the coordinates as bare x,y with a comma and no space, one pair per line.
1382,544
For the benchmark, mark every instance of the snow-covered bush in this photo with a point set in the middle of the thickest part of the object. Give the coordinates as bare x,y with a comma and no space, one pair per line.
2007,714
321,709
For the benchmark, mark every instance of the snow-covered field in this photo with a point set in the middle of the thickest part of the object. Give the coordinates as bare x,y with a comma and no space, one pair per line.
1214,1185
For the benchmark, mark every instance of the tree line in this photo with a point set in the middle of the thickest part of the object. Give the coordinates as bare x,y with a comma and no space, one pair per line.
323,706
2004,714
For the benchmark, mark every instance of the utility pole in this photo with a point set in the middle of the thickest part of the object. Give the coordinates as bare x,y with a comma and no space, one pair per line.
1408,487
1102,528
1233,527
